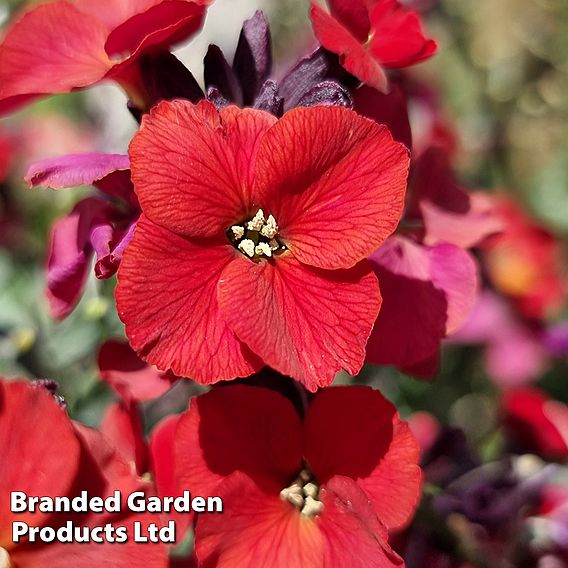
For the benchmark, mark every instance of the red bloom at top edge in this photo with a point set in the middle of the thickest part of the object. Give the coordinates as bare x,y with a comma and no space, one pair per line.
253,236
63,45
46,454
322,491
370,36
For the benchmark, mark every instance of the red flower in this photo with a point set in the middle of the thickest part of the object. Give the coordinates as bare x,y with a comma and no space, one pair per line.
525,262
371,36
45,454
253,237
61,46
134,381
536,422
322,491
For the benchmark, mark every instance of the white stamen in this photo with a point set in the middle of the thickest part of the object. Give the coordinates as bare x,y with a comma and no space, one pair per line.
311,490
292,497
312,507
247,247
257,221
270,229
294,488
263,249
238,232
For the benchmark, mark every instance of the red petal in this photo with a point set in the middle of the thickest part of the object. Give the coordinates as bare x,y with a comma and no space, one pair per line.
238,428
72,54
163,468
167,298
355,432
398,39
115,12
352,55
354,15
192,167
121,425
428,292
256,529
335,183
304,322
39,449
163,25
128,374
103,468
391,109
353,535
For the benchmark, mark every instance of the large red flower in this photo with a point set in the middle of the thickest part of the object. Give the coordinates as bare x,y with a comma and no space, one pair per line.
371,36
322,491
64,45
253,237
45,454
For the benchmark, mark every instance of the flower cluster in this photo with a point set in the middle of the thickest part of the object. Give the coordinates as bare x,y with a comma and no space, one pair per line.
268,233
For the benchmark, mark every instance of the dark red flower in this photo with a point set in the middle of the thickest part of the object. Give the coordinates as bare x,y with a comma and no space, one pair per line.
371,36
536,423
322,491
60,46
45,454
252,241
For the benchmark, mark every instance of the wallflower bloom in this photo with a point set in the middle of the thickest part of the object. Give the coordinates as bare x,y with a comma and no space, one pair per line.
371,36
322,491
253,236
525,262
45,454
102,40
536,423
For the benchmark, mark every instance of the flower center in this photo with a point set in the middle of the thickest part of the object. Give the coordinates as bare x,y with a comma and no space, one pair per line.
303,493
256,238
4,558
